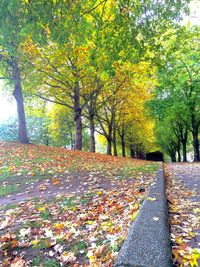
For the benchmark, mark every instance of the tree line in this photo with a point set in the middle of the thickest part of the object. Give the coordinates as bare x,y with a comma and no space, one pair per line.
103,66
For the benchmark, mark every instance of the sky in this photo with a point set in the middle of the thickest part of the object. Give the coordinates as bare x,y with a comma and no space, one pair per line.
8,107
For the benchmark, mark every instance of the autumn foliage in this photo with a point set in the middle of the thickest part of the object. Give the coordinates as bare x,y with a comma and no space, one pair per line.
85,205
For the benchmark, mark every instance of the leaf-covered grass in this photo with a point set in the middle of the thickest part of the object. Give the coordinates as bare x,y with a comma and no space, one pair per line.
184,214
84,228
7,189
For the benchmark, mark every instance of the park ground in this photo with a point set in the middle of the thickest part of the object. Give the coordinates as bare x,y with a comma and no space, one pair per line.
183,192
69,208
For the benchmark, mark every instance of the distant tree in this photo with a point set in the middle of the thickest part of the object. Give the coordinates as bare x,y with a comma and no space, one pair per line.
8,130
177,97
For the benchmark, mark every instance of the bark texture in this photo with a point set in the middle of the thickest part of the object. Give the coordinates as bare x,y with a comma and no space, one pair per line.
22,130
78,119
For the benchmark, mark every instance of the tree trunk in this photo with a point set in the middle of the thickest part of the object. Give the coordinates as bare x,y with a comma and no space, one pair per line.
78,119
92,132
47,142
137,153
109,146
195,138
132,151
114,141
179,153
22,131
195,145
71,141
123,145
184,151
173,157
78,135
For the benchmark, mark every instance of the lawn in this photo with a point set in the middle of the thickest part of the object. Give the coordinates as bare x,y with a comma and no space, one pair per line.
67,208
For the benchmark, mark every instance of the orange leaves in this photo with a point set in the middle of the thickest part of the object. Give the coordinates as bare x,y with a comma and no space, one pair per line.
100,250
100,208
14,243
18,262
183,221
59,226
50,243
33,161
67,257
55,181
7,237
96,253
84,222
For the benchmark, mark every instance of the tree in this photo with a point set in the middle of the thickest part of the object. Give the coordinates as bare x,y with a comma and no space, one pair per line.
177,96
12,26
8,130
61,126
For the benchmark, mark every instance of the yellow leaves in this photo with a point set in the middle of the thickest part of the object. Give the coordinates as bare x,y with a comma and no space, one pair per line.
50,243
29,47
94,254
89,18
41,209
151,198
188,255
134,208
179,240
67,257
192,234
96,220
35,242
194,263
100,250
18,262
91,256
132,217
197,210
11,168
150,54
139,37
59,226
91,222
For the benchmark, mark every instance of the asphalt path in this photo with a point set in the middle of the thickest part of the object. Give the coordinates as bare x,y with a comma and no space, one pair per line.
189,175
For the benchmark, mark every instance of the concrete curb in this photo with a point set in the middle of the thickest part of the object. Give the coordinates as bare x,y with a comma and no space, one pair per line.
148,241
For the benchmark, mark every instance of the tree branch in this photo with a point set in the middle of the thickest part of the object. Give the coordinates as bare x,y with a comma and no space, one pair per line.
54,101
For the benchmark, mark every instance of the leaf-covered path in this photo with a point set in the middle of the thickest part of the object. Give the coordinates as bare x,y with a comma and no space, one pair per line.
82,206
28,172
183,187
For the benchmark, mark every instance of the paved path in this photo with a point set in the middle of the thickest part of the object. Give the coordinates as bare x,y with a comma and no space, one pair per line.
148,240
189,175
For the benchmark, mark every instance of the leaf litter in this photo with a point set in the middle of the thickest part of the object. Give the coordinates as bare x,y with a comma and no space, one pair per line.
83,224
184,217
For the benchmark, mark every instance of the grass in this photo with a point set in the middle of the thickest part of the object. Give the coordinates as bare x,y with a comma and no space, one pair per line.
38,261
6,190
97,218
8,207
134,170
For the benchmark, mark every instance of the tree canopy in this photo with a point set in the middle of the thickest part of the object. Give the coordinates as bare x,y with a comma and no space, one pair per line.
121,69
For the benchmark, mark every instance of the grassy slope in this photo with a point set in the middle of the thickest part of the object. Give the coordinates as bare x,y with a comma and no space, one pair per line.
85,229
